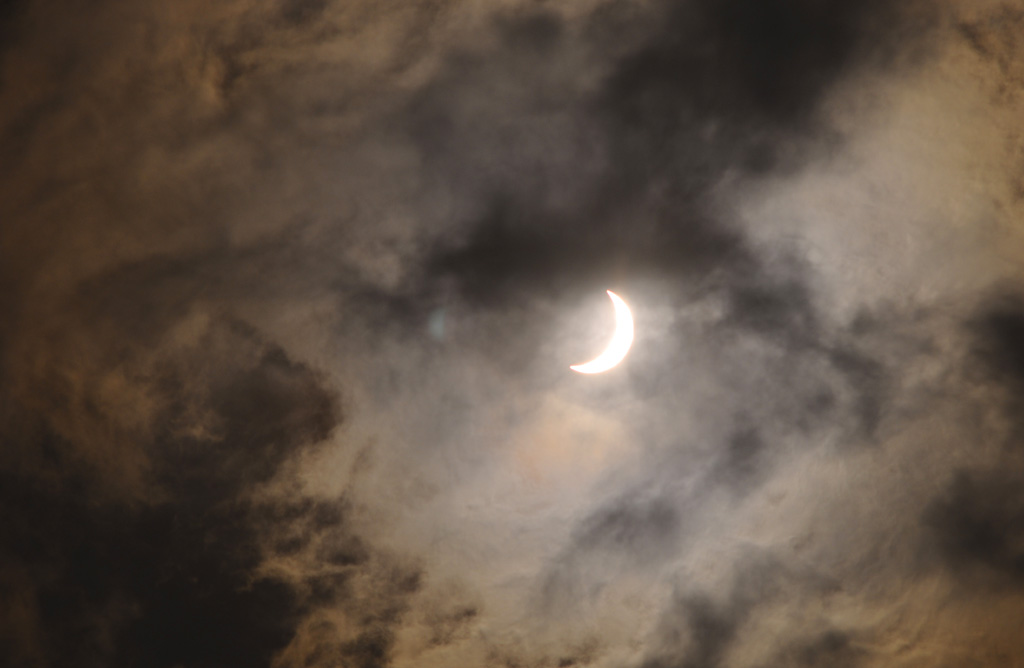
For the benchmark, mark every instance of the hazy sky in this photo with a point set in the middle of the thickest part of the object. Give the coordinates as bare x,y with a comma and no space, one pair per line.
289,290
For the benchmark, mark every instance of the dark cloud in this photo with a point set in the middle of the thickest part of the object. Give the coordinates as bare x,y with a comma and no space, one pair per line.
172,578
629,526
731,84
10,13
978,521
615,540
978,525
831,648
741,462
448,625
774,309
707,89
868,379
512,254
710,631
368,637
292,408
999,332
698,629
302,11
997,38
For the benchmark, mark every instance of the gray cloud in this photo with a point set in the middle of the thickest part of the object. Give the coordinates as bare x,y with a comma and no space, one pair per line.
289,291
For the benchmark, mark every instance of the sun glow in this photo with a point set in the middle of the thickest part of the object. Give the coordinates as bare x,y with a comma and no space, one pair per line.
618,346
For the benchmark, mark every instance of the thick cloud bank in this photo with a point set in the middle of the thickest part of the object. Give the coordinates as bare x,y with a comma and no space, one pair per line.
289,290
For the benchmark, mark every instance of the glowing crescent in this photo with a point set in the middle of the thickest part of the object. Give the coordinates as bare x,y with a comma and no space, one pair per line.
620,343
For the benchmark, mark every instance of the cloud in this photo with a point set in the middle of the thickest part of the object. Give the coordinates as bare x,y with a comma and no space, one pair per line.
697,629
695,93
290,290
998,329
978,526
976,523
169,574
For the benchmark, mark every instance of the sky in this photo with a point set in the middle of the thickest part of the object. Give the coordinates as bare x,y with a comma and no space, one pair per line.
289,290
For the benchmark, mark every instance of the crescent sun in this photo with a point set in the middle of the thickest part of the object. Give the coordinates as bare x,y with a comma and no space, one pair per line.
621,341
